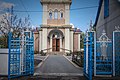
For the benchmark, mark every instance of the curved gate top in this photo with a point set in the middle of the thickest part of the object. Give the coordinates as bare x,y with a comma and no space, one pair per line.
103,55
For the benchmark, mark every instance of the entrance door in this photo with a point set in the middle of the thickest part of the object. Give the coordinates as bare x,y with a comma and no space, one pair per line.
56,44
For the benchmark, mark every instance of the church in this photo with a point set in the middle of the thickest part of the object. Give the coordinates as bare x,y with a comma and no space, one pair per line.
55,33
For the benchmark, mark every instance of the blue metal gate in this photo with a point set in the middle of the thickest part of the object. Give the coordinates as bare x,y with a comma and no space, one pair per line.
13,57
104,52
21,55
88,54
116,53
103,56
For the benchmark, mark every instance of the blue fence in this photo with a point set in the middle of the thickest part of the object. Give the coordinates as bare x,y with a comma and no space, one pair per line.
21,55
116,53
14,57
88,55
103,62
101,55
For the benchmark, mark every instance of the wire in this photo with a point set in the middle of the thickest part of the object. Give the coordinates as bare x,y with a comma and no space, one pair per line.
25,9
84,8
66,9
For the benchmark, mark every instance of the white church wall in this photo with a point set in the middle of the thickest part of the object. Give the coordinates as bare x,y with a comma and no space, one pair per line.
44,39
40,40
67,39
71,41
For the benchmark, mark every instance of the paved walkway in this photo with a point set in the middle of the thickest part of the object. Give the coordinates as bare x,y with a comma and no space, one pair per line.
58,65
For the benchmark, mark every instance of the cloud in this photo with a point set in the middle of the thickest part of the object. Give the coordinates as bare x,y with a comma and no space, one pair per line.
72,25
5,5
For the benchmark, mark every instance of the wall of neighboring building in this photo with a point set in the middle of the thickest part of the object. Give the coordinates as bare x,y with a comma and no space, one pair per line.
36,41
108,24
75,46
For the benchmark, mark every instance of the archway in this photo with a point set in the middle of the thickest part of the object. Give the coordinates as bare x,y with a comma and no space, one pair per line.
55,38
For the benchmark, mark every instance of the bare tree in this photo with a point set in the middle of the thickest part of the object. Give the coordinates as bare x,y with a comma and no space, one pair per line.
11,23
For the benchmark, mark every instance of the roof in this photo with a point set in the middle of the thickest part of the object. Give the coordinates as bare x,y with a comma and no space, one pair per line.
98,12
56,1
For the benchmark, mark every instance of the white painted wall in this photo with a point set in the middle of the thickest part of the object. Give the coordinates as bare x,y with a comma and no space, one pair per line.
3,61
44,39
67,39
61,44
71,41
50,43
40,41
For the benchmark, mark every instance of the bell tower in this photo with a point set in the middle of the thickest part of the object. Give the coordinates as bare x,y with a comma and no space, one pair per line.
55,33
56,12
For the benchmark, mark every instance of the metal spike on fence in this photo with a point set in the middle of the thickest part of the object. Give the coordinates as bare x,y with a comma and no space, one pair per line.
117,28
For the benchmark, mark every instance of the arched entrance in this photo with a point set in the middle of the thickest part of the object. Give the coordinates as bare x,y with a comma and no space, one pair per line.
56,40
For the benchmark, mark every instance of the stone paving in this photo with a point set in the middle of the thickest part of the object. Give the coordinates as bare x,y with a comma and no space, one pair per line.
58,65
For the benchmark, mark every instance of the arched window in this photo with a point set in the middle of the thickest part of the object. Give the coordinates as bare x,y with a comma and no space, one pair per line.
56,14
50,15
61,15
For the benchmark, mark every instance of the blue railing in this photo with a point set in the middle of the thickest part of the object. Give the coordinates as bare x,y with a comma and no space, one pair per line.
21,55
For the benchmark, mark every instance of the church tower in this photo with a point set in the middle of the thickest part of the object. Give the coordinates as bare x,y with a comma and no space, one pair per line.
56,34
56,12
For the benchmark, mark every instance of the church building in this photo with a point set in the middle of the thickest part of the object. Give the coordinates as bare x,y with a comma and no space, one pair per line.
56,34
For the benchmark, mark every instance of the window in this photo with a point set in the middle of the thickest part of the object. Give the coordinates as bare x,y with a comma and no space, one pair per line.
106,8
61,15
56,14
50,15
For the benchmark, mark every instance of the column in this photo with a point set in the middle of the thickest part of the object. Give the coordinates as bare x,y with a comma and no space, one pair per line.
61,44
40,40
67,39
44,39
71,41
50,43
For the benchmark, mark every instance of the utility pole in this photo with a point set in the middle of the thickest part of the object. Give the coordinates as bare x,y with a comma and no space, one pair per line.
11,18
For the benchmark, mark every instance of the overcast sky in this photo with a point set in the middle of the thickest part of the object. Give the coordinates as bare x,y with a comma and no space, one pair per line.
80,14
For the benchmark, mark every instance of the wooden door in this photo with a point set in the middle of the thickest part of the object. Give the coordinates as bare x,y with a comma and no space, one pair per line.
54,45
57,44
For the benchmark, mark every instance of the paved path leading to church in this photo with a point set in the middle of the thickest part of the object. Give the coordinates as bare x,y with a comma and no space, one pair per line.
58,65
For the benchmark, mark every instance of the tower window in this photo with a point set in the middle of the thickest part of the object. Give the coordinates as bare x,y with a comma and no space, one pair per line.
56,14
61,15
50,15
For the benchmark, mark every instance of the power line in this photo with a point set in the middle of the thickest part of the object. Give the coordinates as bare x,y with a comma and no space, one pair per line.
24,6
82,8
25,9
